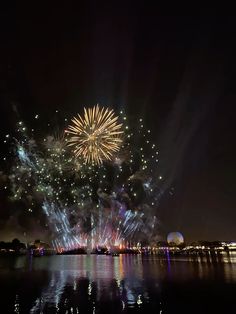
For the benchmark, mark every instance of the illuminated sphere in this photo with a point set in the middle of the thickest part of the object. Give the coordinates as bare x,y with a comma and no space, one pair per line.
95,135
175,238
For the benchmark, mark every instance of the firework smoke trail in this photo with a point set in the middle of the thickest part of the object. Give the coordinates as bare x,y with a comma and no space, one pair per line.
87,204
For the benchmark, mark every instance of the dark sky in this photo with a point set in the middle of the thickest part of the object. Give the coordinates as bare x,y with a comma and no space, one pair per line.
178,72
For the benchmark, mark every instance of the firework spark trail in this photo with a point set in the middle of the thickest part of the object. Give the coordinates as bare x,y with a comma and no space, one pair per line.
23,155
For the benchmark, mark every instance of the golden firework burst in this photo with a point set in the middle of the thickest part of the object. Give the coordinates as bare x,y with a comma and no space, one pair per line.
96,135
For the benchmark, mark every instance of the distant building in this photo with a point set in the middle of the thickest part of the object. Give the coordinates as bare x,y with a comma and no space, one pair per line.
175,238
40,248
40,244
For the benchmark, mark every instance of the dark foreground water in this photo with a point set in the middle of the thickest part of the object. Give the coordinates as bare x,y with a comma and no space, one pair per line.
123,284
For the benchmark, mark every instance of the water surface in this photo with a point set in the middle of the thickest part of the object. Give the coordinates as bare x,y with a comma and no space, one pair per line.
123,284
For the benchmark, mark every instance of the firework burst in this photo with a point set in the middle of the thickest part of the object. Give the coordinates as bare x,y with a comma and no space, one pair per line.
85,205
96,135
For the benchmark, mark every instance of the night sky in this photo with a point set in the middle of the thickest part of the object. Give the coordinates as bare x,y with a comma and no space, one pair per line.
178,73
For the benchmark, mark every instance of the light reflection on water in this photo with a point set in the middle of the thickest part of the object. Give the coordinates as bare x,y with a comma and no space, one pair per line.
122,284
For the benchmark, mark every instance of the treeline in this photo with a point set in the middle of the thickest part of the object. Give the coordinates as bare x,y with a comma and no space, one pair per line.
14,246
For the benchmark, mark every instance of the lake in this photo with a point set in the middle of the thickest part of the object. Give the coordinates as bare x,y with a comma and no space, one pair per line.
120,284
